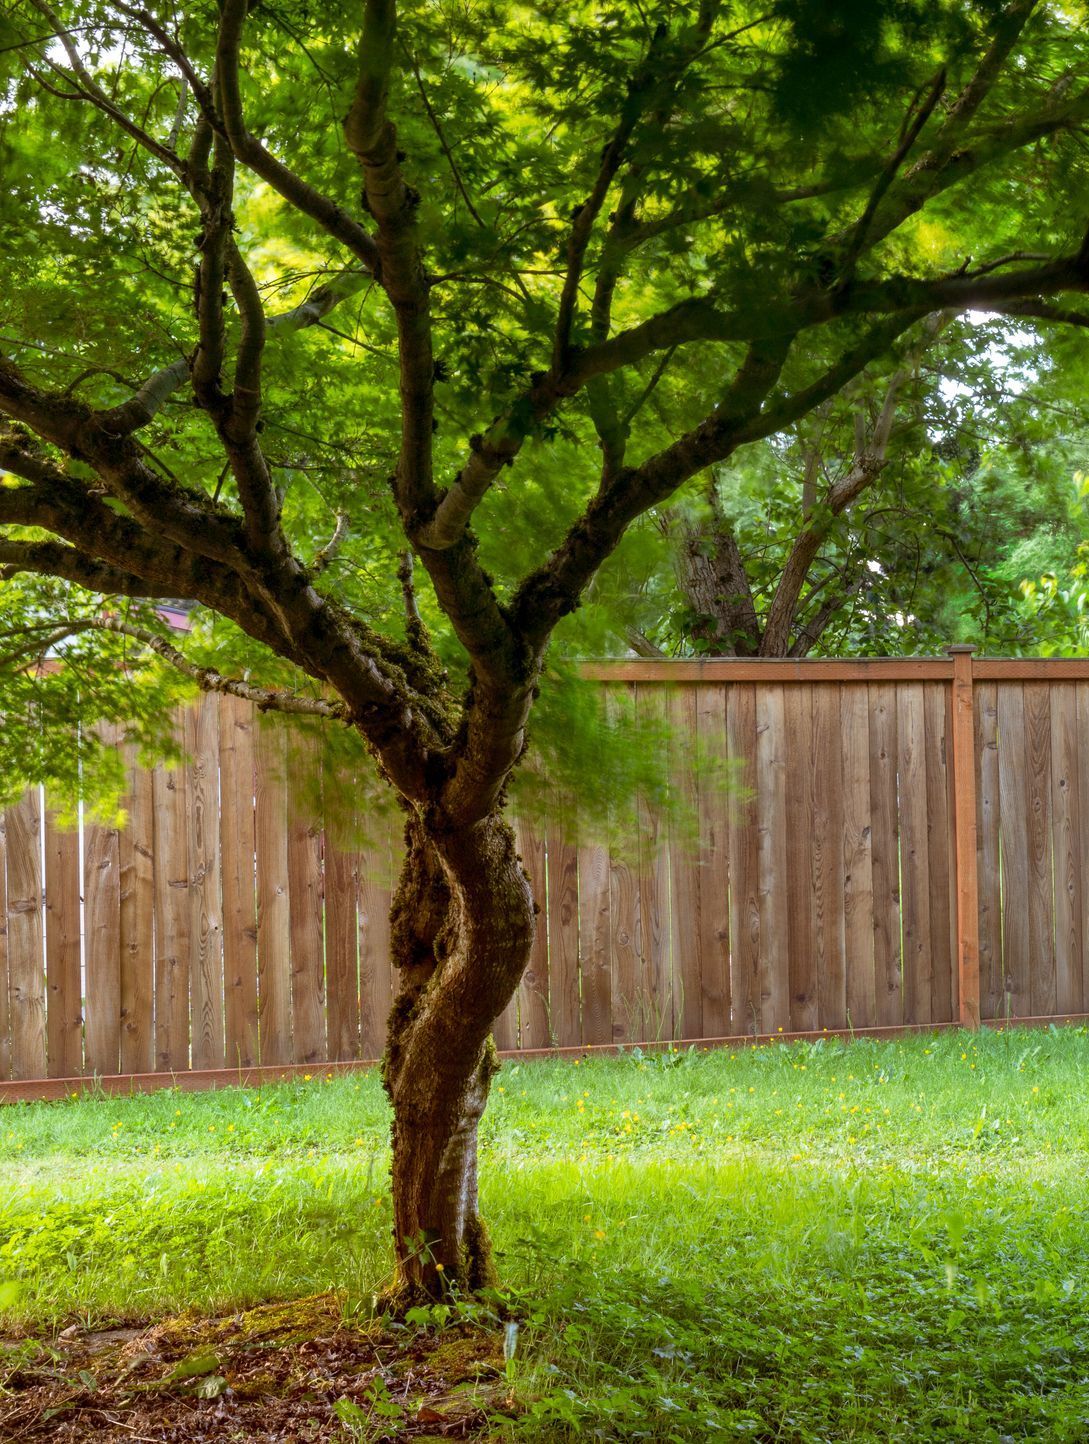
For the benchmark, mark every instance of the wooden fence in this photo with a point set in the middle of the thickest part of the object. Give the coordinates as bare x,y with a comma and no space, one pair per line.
909,851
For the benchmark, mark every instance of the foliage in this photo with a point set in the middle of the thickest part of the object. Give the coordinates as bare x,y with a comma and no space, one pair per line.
816,1241
796,199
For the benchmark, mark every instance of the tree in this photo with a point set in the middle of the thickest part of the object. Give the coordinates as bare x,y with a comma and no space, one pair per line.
546,217
901,516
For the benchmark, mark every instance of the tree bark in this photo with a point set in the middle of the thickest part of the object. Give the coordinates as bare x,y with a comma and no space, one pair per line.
462,927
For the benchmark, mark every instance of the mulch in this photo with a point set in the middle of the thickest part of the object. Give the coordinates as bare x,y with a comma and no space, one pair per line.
272,1375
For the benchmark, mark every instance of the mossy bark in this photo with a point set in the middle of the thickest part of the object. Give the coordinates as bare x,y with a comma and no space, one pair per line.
462,926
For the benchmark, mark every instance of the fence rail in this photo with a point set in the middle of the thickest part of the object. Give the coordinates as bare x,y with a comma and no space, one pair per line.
909,852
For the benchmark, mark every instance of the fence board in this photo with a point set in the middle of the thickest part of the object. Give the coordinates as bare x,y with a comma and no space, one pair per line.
714,862
1082,732
237,843
341,864
304,884
988,869
64,985
376,976
937,705
804,1003
171,848
685,870
26,977
5,998
102,946
757,991
595,933
858,929
914,854
563,936
135,856
273,898
652,945
1013,832
1066,846
826,874
623,901
1038,802
533,989
885,853
205,893
773,824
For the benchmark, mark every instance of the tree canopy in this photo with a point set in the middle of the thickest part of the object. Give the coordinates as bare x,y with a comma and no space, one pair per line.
372,331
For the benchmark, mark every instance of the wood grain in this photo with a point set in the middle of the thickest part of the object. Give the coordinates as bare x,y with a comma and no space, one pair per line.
26,956
988,866
772,828
759,994
64,984
273,898
136,872
237,835
171,848
1067,847
205,895
858,896
885,853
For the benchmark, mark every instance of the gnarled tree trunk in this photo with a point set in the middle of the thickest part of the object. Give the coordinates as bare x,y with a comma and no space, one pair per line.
463,921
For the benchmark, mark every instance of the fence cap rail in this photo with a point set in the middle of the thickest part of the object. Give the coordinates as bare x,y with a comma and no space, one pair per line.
837,669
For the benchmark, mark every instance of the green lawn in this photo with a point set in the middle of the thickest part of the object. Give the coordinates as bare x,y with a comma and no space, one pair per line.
807,1242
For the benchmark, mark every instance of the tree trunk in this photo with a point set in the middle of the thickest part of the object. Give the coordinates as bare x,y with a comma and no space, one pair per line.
462,927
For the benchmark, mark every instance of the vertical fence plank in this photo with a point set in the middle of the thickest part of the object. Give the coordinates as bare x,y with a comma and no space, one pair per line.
1013,832
757,993
595,935
341,952
341,867
1038,801
205,895
966,850
714,861
685,871
64,985
858,917
941,858
5,997
26,958
273,899
376,977
800,921
773,827
135,856
652,944
307,930
533,989
563,939
826,856
1081,705
102,943
885,853
1066,847
988,864
914,852
237,847
623,899
171,850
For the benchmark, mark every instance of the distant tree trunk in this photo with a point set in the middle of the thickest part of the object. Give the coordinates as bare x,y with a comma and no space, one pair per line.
462,927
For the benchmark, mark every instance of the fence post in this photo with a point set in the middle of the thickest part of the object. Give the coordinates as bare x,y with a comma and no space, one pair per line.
964,795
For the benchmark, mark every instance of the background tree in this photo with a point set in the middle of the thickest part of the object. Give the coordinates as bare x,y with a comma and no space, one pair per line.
901,516
350,339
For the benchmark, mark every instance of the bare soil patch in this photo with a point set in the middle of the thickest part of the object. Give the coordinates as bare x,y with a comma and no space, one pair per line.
272,1375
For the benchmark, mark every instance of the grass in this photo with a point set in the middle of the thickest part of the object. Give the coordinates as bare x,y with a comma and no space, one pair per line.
797,1242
